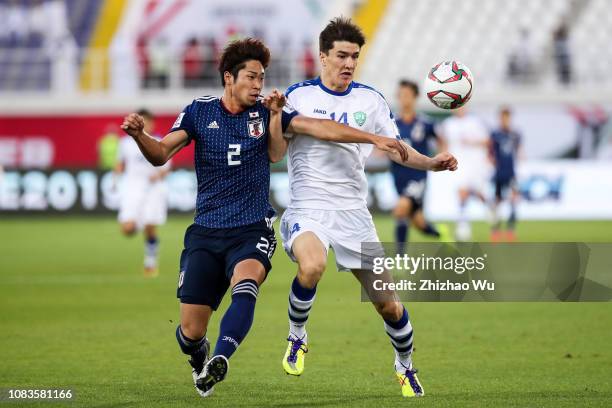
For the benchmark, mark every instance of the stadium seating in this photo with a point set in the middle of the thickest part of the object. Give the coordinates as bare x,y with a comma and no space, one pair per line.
482,34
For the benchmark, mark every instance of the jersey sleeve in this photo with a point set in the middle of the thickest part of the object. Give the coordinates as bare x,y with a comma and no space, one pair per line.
186,121
385,122
289,113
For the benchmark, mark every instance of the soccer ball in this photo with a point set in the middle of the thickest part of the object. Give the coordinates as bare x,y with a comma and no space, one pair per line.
449,85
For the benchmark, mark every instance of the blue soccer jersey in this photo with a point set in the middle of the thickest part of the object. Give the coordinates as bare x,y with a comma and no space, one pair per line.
231,162
505,145
419,134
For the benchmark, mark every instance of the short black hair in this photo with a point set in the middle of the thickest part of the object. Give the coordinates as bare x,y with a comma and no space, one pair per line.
406,83
505,110
340,29
145,113
238,52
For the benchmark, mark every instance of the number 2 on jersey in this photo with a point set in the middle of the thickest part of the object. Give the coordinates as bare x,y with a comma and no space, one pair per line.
233,152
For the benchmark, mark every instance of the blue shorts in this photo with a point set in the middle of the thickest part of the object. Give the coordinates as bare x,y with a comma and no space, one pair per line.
413,189
211,254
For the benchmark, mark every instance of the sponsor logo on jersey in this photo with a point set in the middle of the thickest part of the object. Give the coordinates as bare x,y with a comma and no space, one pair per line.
320,111
213,125
256,128
360,117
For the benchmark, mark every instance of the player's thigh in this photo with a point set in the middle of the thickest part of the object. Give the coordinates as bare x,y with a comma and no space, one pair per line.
248,252
202,280
310,253
311,225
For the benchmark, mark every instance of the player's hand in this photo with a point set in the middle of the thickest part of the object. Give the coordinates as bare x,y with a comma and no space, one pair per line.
392,146
133,124
444,161
275,101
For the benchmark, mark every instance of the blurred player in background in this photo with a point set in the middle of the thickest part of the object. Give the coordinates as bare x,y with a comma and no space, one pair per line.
143,202
505,146
419,132
328,205
468,139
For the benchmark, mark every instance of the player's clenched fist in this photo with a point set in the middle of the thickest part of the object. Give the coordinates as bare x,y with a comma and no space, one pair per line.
133,124
444,161
275,101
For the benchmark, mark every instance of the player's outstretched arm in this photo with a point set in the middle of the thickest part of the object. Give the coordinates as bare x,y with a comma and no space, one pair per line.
155,151
440,162
277,144
332,131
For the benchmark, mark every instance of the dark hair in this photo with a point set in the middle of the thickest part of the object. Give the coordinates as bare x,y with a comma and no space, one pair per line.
237,53
406,83
505,110
145,113
340,29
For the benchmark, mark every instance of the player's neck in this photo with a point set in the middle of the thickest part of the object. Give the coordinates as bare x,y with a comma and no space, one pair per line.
329,84
408,116
231,105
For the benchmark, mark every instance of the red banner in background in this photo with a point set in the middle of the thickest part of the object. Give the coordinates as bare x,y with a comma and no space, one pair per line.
67,141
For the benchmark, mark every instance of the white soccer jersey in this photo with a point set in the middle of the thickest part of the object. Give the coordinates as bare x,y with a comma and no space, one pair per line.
136,165
326,175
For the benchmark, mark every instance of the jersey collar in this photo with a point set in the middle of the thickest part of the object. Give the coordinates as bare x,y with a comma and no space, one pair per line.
332,92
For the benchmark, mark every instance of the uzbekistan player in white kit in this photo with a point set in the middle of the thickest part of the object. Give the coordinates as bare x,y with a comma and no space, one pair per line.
468,139
143,202
329,189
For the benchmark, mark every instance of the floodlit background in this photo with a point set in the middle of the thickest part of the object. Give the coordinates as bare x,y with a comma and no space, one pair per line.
74,308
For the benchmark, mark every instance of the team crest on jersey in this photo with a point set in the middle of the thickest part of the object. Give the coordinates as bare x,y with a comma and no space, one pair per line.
360,117
256,128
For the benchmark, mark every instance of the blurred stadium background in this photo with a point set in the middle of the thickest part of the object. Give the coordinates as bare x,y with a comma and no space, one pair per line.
71,69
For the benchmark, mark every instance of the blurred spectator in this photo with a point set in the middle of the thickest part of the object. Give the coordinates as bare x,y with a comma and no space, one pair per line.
210,57
308,62
38,21
16,23
193,64
160,63
143,60
520,59
562,54
591,130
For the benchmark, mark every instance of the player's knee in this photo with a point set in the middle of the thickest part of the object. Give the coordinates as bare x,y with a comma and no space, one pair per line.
193,329
310,272
128,228
389,310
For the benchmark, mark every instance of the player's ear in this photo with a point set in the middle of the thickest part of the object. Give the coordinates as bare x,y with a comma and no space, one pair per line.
323,58
228,77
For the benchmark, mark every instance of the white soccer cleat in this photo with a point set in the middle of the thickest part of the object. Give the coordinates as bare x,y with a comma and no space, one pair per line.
214,371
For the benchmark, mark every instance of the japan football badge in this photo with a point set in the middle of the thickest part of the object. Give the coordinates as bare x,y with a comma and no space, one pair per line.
256,128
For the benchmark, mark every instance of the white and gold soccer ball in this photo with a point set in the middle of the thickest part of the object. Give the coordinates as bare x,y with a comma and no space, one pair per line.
449,85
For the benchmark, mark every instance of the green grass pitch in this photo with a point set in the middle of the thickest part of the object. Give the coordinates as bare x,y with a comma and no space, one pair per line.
77,314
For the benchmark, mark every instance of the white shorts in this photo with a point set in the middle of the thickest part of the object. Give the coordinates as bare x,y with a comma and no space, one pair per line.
143,203
473,178
343,230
